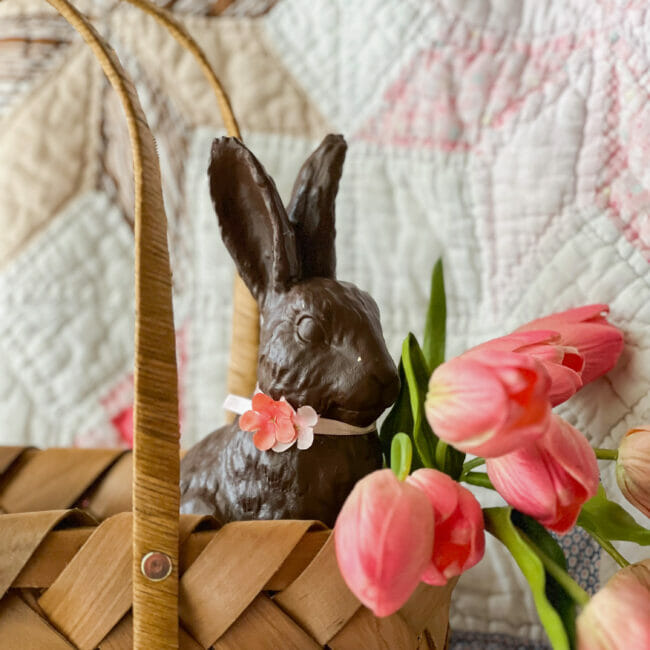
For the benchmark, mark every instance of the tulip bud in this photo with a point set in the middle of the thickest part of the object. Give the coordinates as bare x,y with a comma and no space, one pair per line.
563,363
488,402
586,329
549,479
618,616
383,538
458,537
633,468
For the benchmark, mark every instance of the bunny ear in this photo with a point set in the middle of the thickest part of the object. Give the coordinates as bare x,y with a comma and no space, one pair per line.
311,211
254,224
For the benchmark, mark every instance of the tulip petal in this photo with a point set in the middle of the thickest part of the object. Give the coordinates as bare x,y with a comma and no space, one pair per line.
601,346
618,616
522,480
586,329
521,339
383,538
466,402
574,455
488,402
633,468
459,538
549,479
439,488
586,313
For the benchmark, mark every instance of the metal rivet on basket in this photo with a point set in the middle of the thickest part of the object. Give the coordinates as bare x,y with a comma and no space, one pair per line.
156,566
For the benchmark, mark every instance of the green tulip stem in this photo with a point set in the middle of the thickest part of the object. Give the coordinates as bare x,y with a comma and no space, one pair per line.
441,455
470,465
572,588
478,478
606,454
606,545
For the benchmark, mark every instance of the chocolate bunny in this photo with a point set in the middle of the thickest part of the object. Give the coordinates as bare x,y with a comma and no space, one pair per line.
321,345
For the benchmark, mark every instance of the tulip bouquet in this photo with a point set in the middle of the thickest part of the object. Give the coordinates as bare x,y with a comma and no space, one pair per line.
415,521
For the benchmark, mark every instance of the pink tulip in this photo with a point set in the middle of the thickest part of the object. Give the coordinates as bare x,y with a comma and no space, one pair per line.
458,538
586,329
383,538
618,616
489,402
550,478
633,468
563,363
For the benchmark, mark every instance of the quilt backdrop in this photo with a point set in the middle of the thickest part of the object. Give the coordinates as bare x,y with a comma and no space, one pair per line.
512,137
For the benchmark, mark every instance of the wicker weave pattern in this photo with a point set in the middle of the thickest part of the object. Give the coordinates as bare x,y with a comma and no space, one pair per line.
273,584
97,480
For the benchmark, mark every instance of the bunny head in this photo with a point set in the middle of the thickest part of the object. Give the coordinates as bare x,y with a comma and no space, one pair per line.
321,342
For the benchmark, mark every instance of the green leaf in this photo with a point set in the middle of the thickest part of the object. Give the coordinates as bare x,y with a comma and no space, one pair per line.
417,380
401,455
433,343
608,520
558,597
453,463
499,524
399,418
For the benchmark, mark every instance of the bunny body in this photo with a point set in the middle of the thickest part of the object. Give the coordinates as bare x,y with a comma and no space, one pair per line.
321,345
226,476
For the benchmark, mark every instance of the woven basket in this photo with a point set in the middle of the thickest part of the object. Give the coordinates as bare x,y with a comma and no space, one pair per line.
76,524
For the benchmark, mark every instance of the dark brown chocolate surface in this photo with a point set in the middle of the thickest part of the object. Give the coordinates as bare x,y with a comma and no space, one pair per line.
321,345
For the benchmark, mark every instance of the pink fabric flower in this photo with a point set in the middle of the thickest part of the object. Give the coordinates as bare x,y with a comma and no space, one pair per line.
586,329
633,468
489,402
383,538
458,537
304,420
271,421
550,478
563,363
618,616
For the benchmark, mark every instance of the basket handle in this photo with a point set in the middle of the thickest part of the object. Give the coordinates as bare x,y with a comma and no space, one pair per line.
156,432
244,342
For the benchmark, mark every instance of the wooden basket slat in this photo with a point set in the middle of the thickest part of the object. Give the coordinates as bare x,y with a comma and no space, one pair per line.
94,591
301,557
20,536
121,637
111,492
8,455
429,608
22,627
388,633
240,561
53,479
319,599
54,553
279,630
97,480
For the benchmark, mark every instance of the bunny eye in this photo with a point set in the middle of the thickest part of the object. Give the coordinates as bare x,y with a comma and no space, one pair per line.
309,330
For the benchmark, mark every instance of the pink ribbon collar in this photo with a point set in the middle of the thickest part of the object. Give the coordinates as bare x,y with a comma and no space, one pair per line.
276,425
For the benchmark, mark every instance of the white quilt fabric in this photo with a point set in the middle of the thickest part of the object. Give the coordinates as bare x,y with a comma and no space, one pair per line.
512,137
